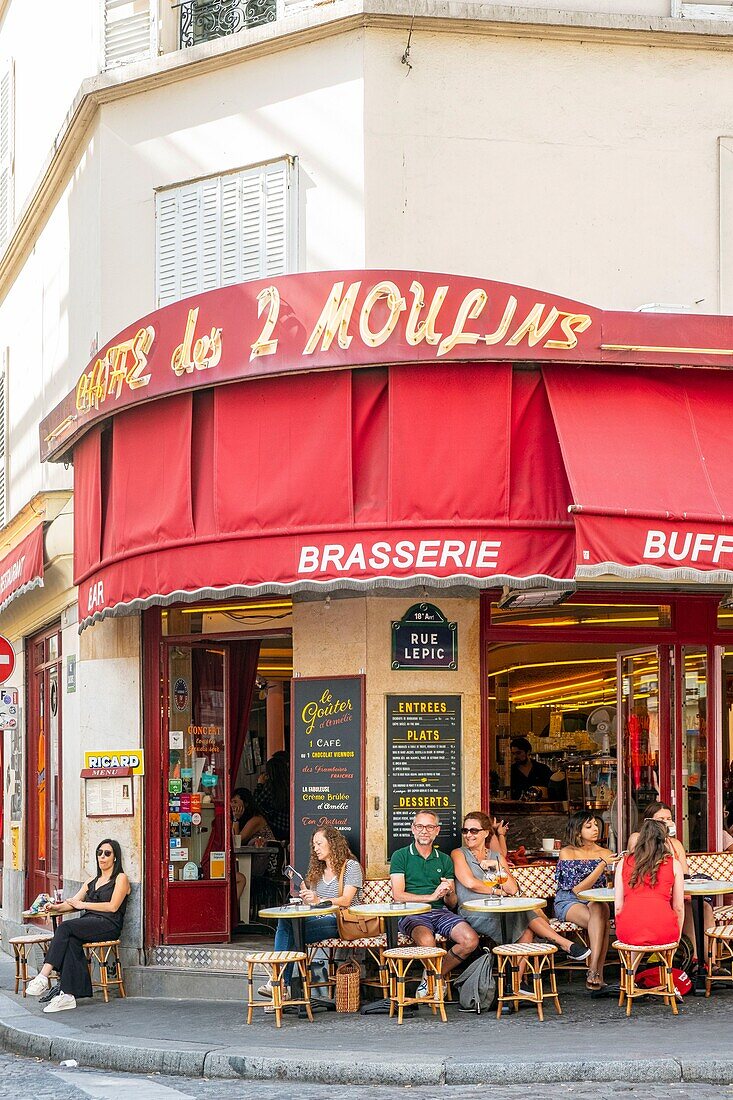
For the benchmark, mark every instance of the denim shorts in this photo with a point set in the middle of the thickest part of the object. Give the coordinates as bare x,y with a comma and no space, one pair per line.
440,922
564,900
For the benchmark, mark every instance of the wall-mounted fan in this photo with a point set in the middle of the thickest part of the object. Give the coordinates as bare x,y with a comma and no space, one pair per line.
601,725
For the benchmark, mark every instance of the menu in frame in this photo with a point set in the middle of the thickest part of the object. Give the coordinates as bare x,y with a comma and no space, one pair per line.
327,724
423,766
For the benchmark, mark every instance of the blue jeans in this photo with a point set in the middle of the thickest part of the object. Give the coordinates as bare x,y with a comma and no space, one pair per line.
314,929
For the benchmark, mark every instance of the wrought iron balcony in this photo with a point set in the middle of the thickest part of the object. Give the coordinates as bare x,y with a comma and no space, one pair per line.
204,20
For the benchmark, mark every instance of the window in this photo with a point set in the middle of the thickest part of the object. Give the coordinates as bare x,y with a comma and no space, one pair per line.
7,128
226,229
704,9
129,31
4,439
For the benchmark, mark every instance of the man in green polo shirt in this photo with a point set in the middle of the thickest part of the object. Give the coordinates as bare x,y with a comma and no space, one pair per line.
421,872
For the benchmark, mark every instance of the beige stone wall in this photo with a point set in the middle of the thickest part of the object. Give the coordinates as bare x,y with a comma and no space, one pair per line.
350,636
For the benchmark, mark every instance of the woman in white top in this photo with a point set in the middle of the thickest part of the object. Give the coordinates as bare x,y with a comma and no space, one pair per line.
333,875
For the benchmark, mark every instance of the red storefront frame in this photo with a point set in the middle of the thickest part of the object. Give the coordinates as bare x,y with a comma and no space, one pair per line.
694,624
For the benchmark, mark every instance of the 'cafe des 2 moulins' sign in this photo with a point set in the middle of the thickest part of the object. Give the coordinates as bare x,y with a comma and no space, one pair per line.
317,321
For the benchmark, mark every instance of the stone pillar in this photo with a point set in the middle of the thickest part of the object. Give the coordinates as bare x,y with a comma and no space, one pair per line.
275,718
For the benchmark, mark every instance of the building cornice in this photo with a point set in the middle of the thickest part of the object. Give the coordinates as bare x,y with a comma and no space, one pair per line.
314,23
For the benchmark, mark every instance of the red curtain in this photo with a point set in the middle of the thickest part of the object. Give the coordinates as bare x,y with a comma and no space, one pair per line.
243,658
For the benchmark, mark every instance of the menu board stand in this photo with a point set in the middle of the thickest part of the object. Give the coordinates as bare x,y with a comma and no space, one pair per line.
423,766
327,721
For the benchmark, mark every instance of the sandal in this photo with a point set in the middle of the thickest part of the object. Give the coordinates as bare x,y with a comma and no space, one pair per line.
593,981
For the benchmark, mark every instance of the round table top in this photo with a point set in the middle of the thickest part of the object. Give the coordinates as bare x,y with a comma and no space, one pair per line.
390,909
708,886
296,912
507,904
599,893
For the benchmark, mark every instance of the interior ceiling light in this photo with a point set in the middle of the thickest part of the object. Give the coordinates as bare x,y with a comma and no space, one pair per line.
726,604
532,597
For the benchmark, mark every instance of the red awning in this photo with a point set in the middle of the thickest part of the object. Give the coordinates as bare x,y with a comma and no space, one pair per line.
440,474
648,455
22,567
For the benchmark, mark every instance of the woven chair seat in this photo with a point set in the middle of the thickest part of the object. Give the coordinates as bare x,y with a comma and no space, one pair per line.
38,937
365,941
414,953
620,946
275,956
721,932
564,925
533,950
723,914
103,943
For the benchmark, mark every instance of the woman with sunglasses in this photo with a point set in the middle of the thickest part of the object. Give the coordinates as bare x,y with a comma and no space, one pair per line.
475,879
102,901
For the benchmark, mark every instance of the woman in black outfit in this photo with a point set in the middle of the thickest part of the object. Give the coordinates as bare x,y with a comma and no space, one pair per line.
102,901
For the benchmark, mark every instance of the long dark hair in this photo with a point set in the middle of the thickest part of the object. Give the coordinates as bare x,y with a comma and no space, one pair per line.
277,770
574,827
117,867
654,808
650,852
247,803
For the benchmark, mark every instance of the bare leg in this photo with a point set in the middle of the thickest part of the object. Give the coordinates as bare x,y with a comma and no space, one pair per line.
542,928
241,883
465,942
594,917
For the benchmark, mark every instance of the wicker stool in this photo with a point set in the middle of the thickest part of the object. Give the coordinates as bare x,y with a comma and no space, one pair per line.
275,962
106,954
720,954
399,961
540,958
631,955
22,945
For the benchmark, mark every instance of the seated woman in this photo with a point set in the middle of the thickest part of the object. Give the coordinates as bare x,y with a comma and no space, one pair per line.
333,875
650,896
251,828
661,812
582,865
102,901
474,880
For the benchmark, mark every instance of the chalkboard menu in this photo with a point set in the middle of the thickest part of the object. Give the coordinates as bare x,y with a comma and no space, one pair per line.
327,724
423,766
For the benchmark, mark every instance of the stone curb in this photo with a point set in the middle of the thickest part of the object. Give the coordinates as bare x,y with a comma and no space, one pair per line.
352,1068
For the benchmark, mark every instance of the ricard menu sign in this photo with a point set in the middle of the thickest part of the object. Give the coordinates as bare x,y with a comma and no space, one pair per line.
423,766
328,732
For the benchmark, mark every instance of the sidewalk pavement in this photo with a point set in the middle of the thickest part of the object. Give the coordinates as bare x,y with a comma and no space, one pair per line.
592,1040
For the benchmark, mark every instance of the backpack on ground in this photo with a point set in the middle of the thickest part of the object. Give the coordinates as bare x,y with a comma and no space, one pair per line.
476,985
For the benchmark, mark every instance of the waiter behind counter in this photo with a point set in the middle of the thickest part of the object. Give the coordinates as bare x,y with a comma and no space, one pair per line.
525,772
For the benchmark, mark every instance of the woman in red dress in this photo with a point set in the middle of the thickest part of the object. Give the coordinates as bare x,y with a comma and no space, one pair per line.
650,896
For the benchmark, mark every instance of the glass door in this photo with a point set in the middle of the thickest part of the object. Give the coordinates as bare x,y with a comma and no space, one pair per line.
691,786
196,828
44,817
644,705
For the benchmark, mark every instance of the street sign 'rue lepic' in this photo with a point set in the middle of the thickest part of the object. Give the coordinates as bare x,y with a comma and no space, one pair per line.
7,660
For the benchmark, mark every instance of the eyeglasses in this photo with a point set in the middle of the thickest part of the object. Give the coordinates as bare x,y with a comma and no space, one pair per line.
105,852
426,828
472,831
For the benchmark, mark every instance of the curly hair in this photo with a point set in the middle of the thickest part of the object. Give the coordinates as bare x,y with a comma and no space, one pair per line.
339,851
650,853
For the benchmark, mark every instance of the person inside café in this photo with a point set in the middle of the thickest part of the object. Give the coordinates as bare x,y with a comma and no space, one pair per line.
649,890
272,795
582,865
661,812
421,872
526,772
249,827
477,868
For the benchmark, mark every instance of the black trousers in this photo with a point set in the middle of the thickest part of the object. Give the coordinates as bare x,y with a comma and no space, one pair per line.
66,953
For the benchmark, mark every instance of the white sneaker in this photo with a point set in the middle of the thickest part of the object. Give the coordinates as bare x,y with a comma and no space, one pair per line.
62,1003
286,997
38,985
422,990
266,989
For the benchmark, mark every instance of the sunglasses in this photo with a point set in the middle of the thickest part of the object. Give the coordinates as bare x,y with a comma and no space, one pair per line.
472,831
105,852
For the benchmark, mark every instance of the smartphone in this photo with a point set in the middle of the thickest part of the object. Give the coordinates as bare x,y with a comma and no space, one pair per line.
295,876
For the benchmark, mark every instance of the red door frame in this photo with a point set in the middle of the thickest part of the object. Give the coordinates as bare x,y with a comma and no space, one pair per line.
693,623
41,879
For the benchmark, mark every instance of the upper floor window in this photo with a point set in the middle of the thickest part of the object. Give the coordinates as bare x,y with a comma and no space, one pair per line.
704,9
130,28
7,128
226,229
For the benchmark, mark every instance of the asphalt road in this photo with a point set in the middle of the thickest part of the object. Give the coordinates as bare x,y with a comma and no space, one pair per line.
22,1078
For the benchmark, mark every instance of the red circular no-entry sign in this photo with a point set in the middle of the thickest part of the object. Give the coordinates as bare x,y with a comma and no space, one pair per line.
7,660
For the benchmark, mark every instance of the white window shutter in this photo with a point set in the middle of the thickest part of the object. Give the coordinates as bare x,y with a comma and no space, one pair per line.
224,230
4,438
129,31
7,135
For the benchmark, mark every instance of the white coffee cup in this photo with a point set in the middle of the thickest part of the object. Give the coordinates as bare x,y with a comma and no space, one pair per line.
548,844
237,840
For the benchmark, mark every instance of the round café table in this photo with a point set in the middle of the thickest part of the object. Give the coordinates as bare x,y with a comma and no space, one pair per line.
699,889
297,913
391,912
503,905
600,893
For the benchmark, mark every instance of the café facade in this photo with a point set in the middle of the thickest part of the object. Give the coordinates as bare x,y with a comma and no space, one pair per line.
388,521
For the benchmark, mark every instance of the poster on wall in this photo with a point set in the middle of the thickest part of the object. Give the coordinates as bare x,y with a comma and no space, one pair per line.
328,735
423,766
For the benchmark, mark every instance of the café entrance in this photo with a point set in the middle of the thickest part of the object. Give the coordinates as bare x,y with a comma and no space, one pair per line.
223,708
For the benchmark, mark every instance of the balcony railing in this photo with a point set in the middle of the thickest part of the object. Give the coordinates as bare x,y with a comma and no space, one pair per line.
204,20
